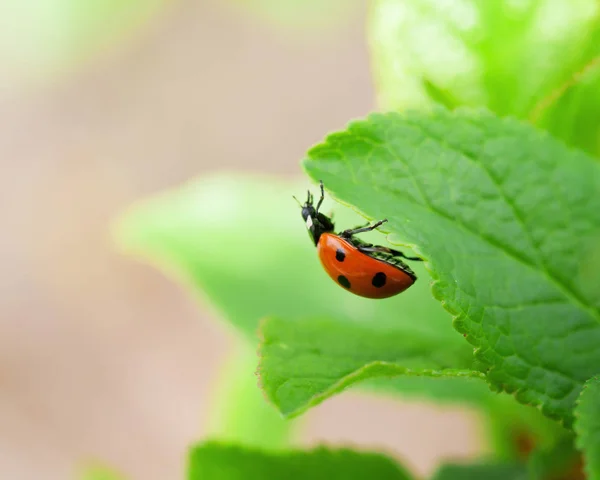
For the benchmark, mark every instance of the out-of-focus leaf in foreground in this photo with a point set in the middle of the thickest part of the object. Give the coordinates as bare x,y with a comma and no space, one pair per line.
487,471
230,462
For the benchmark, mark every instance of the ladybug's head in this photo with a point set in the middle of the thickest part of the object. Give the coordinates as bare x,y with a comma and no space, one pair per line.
316,222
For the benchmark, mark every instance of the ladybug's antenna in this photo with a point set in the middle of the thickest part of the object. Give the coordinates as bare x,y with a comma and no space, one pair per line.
297,201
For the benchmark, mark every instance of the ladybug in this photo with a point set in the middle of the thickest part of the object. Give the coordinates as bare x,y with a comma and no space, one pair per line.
367,270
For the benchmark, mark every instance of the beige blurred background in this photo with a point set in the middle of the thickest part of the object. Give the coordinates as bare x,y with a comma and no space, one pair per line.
101,357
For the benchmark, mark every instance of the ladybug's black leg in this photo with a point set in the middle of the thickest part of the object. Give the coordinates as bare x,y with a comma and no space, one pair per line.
396,253
322,197
400,254
358,228
349,233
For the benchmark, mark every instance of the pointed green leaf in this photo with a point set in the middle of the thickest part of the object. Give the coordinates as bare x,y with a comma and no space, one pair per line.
587,426
507,219
303,363
230,462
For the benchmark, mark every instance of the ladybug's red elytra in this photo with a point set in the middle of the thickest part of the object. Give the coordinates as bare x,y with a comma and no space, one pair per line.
367,270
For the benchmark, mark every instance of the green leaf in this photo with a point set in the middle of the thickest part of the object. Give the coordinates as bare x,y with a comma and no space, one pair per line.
487,471
587,426
506,218
229,462
535,59
305,363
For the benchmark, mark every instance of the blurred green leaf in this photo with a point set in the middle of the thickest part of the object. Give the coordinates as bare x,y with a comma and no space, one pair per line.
503,214
305,363
536,59
587,427
487,471
229,462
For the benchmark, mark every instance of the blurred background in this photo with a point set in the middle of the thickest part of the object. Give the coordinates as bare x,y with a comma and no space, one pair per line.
104,102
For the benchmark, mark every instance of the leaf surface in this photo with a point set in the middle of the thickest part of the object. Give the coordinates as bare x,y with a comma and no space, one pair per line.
506,217
303,363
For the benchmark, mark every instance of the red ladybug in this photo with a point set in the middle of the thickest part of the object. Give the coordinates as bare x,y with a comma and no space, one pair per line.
367,270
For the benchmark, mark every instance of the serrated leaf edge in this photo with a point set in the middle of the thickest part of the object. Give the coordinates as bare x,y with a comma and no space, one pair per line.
577,423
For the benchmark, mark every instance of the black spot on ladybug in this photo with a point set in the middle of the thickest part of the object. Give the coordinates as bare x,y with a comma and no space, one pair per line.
340,255
344,282
379,279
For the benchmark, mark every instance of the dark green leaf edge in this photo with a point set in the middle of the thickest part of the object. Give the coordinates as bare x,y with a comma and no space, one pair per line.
524,396
581,427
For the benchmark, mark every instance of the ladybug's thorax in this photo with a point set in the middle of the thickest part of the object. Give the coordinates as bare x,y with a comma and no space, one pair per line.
317,224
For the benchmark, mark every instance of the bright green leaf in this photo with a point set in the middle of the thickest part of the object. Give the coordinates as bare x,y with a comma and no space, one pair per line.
303,363
229,462
587,426
487,471
535,59
506,218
